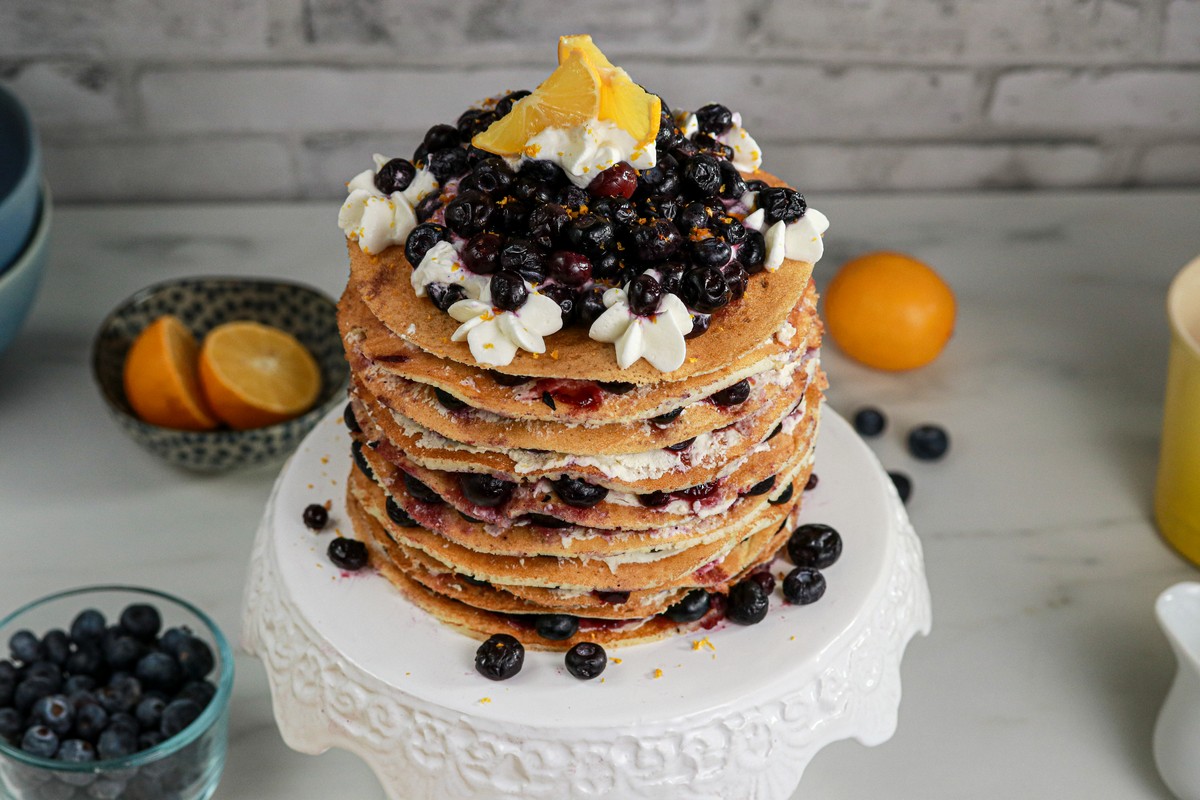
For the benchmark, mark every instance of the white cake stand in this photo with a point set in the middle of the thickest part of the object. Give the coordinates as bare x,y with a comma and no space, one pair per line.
736,712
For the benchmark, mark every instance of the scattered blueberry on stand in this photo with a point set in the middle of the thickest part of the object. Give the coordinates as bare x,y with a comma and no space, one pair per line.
803,585
102,692
586,660
748,603
500,657
348,554
315,516
815,545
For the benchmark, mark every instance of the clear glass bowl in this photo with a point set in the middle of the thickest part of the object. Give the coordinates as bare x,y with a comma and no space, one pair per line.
187,766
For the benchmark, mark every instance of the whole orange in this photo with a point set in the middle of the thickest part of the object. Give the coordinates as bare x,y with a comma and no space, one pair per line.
889,311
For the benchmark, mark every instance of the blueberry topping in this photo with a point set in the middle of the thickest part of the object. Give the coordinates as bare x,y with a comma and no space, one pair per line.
573,269
714,118
40,741
579,494
612,598
556,627
500,657
692,607
469,213
618,209
348,554
699,491
398,515
590,233
509,291
903,485
590,305
775,432
524,257
702,175
548,399
474,121
803,585
655,239
449,401
617,387
395,176
784,497
492,175
25,647
428,206
764,579
733,185
586,660
748,603
142,621
705,143
485,490
564,296
668,417
711,252
705,289
693,217
732,395
780,203
869,421
572,196
928,442
421,239
700,323
736,278
448,163
752,252
439,137
420,491
815,545
644,295
506,103
619,180
481,253
680,446
89,625
531,190
360,461
756,185
315,516
178,715
444,295
762,487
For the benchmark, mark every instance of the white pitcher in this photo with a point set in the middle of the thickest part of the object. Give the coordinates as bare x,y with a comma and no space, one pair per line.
1177,733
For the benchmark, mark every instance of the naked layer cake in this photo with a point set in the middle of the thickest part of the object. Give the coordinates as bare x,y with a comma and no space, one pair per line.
585,363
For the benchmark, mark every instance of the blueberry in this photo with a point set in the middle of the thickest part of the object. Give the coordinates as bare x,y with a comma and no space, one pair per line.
612,598
398,515
473,121
500,657
25,647
762,487
481,253
159,672
729,228
644,295
654,499
705,143
812,482
928,442
122,720
439,137
348,554
752,252
547,225
748,603
117,741
469,213
589,305
29,691
815,545
711,252
655,239
142,621
668,417
449,401
803,585
78,684
532,191
556,627
573,269
577,493
714,118
40,741
199,692
149,712
395,176
90,720
736,278
732,395
444,295
590,234
618,209
485,490
76,751
903,485
572,196
679,447
705,289
506,103
780,203
10,723
148,739
511,216
756,185
56,646
525,258
702,176
45,670
586,660
352,425
421,239
869,421
448,163
617,387
733,185
564,296
8,671
700,323
122,694
420,491
784,497
173,638
55,712
692,607
509,291
493,176
764,579
360,460
315,516
428,206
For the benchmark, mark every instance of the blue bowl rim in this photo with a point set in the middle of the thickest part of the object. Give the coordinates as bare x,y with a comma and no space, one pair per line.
145,292
165,748
37,240
33,165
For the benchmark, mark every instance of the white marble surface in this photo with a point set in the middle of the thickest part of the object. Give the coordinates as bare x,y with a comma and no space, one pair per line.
1045,668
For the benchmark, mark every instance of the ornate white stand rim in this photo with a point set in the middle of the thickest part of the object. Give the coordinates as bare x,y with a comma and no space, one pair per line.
736,712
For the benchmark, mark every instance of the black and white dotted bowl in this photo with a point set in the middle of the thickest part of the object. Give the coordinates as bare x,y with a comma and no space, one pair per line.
202,304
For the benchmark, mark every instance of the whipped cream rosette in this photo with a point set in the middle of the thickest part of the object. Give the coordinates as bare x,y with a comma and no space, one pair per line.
585,361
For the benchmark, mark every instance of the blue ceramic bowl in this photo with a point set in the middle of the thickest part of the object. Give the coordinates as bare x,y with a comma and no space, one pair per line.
20,177
202,304
19,283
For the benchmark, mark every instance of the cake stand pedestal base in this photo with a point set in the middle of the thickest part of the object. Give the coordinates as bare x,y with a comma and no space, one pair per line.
734,712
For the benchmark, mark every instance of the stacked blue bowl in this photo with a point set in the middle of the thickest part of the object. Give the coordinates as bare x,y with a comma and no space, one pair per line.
24,216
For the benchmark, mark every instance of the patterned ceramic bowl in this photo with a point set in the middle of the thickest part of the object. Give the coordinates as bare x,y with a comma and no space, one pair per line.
202,304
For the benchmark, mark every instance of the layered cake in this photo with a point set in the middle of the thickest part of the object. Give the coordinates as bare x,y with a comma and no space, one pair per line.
584,349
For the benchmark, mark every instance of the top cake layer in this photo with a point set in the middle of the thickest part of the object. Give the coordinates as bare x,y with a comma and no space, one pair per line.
602,238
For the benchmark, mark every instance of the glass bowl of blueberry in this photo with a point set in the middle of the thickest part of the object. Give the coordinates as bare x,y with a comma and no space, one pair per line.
112,692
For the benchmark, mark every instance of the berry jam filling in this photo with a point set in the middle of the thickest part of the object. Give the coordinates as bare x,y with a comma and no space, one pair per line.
578,394
612,598
544,521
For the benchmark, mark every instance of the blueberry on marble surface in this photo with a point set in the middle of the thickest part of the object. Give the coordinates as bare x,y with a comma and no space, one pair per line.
928,442
869,421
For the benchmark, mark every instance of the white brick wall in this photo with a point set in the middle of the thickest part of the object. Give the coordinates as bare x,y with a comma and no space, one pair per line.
284,99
